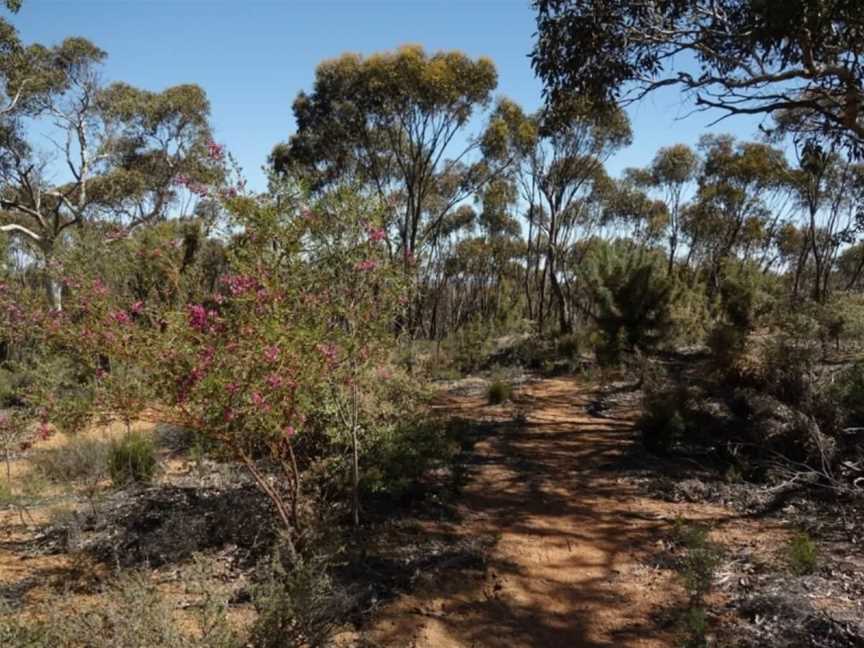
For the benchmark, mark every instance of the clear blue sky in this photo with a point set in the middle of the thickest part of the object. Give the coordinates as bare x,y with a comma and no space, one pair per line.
252,57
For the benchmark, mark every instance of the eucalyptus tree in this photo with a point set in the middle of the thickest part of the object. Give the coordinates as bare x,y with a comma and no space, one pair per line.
737,57
395,123
740,204
829,191
118,154
562,175
673,171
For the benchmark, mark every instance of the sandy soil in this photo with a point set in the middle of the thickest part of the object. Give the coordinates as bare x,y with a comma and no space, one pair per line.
572,565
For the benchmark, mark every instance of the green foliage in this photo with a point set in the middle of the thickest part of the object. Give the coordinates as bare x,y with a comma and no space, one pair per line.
663,422
695,623
133,614
603,50
498,392
849,391
697,568
701,559
633,301
78,460
298,605
802,554
132,459
400,454
471,345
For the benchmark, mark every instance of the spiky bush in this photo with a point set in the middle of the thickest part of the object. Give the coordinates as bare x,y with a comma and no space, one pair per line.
633,301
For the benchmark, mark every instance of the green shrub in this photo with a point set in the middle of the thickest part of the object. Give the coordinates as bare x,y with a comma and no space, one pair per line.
499,392
697,568
802,554
633,300
695,624
10,387
849,390
401,454
79,460
132,459
133,614
700,561
299,605
568,346
663,424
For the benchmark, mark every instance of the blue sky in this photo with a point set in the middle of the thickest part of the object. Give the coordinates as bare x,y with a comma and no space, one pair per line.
252,57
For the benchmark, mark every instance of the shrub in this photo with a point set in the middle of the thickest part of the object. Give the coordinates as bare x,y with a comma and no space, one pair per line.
78,460
728,345
849,390
663,424
802,554
132,459
634,304
401,454
700,561
499,392
697,569
134,614
298,605
568,347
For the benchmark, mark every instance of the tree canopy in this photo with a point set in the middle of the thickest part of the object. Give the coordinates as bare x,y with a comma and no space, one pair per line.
737,56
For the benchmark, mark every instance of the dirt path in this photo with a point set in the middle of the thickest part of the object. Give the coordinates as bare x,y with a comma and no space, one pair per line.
574,537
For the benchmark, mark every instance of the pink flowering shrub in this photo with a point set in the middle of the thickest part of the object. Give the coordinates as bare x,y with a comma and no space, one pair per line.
274,352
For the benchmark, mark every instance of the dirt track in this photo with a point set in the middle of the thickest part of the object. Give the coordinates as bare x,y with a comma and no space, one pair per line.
572,562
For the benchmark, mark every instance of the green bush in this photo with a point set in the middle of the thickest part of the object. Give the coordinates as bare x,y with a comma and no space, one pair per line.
634,300
802,554
499,392
10,387
298,605
401,454
79,460
133,614
849,391
132,459
663,422
700,562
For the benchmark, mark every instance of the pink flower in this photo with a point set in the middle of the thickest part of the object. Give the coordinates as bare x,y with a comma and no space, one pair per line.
384,373
215,151
330,352
197,317
239,284
275,381
289,431
232,388
378,234
366,265
121,317
136,308
99,288
271,353
257,399
229,415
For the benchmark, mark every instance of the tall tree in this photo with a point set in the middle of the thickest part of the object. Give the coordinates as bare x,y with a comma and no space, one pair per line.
739,202
559,177
123,155
829,190
393,123
673,169
737,56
